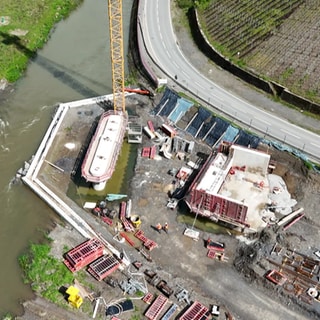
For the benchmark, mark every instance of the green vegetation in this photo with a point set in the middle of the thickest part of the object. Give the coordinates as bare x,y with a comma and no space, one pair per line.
185,4
286,74
44,273
24,28
161,89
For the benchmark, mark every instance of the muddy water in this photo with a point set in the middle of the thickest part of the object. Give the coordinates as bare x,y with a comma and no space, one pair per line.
75,64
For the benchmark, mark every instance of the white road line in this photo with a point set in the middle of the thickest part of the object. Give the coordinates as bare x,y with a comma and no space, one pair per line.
185,74
289,133
314,144
263,121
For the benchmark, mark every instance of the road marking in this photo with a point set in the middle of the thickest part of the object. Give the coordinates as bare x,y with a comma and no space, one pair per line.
175,64
186,74
197,84
289,133
314,144
263,121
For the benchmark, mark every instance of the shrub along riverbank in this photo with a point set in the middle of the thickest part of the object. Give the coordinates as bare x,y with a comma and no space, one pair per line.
49,277
25,27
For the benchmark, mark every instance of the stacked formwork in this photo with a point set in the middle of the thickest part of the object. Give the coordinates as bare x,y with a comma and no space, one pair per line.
197,311
157,306
128,227
103,266
83,254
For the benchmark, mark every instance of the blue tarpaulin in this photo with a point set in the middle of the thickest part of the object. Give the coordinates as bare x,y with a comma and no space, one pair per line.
181,108
216,133
207,125
201,116
167,103
230,134
246,139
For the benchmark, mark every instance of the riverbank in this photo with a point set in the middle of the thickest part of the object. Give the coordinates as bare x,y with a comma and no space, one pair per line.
24,29
142,202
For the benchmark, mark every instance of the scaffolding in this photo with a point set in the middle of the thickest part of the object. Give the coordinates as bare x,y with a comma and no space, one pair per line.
83,254
157,306
197,311
103,266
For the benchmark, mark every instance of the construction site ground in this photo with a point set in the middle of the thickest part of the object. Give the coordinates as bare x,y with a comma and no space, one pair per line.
236,284
179,260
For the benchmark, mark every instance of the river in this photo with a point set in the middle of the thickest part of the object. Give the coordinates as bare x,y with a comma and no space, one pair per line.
74,64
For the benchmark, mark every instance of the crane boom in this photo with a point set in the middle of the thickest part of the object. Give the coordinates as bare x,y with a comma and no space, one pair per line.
117,59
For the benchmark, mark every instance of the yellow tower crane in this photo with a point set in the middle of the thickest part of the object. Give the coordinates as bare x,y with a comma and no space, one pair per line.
117,59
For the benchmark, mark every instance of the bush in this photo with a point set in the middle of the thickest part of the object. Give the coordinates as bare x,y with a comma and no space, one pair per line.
44,273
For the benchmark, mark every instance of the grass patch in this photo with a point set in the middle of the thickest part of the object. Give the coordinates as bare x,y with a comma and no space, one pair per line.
44,273
25,27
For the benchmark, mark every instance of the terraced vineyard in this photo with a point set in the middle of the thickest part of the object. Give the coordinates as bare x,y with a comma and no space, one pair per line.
279,39
291,56
238,26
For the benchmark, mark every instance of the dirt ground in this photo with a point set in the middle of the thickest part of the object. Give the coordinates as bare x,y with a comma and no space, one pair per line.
237,284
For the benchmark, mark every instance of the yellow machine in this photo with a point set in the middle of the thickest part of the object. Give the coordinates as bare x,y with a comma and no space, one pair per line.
74,298
117,59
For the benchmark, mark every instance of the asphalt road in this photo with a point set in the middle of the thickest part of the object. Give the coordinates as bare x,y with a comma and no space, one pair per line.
162,45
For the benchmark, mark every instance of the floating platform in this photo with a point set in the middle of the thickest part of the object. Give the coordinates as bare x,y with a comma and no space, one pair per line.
101,157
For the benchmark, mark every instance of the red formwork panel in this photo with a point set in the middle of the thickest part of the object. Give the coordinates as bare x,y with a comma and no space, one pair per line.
123,208
157,306
168,130
153,151
219,206
150,244
103,266
84,254
150,126
145,152
195,312
126,237
148,298
140,235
